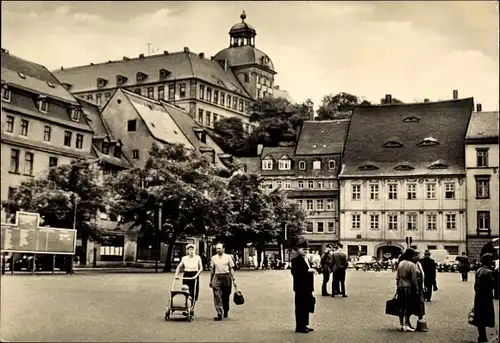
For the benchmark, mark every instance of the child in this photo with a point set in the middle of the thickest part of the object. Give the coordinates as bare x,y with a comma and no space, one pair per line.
181,299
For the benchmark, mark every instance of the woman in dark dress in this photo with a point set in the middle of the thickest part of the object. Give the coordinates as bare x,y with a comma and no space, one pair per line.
407,284
484,310
419,306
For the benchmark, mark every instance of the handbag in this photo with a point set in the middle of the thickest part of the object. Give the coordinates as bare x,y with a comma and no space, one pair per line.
238,298
392,306
471,318
312,304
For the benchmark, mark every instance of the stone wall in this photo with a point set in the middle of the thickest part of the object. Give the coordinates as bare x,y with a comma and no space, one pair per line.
474,246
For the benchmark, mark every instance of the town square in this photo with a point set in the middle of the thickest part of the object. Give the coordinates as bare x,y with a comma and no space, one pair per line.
250,171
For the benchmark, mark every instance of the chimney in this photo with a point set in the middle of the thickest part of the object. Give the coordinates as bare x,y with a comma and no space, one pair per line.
455,94
91,63
62,68
388,99
212,58
260,147
479,108
165,52
141,56
202,55
186,50
426,100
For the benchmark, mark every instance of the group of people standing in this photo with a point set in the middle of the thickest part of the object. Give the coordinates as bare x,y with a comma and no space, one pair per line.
333,265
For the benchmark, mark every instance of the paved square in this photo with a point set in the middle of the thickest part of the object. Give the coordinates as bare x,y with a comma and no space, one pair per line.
130,308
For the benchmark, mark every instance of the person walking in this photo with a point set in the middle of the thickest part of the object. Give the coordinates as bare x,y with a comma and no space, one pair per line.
303,286
407,284
192,266
429,269
339,271
464,266
326,267
221,281
484,310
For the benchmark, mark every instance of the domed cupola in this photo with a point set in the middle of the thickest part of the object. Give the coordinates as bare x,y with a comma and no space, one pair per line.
242,34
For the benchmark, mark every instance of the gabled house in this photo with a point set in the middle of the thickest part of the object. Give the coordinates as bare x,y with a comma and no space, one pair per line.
403,176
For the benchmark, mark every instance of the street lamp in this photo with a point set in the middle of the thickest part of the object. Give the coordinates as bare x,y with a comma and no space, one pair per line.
75,199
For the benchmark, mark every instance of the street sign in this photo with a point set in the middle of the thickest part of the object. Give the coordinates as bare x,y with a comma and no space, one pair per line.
408,241
26,236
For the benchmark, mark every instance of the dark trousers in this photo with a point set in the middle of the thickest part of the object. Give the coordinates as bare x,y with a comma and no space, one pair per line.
222,287
465,275
326,278
194,285
338,282
429,284
481,330
302,307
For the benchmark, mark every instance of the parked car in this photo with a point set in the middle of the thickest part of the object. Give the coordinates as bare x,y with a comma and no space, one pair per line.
364,262
42,262
450,264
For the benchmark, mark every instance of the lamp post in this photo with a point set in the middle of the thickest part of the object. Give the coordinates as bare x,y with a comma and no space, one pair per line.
75,199
158,244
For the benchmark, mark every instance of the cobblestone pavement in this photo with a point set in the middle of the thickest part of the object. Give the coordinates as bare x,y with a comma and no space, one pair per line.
130,308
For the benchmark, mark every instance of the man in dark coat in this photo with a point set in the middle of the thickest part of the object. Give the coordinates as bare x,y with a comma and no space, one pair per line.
339,271
464,266
429,267
303,286
326,267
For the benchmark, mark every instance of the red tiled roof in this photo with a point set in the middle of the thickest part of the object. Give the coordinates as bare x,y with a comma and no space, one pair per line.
373,126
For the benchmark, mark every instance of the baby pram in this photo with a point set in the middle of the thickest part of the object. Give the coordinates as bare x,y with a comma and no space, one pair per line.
180,302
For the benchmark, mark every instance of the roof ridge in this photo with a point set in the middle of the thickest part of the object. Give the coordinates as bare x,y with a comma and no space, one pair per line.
177,123
416,103
121,60
25,60
327,121
140,96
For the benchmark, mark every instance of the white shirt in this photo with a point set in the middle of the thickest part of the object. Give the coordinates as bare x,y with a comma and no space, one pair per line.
191,264
222,264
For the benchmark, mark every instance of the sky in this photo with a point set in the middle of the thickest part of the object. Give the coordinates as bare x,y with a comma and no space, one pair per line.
411,50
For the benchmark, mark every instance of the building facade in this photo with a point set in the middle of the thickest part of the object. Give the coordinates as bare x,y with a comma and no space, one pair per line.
209,89
403,175
481,156
308,173
43,125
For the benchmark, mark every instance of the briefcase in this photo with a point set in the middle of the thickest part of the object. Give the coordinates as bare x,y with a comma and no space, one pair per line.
392,307
312,304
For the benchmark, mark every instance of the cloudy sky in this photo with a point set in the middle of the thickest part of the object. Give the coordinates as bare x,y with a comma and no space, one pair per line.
412,50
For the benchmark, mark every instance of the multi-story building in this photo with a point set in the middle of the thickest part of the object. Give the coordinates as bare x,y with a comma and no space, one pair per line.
403,175
481,160
42,123
308,172
209,89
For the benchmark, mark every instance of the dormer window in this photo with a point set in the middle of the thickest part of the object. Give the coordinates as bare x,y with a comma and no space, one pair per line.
140,76
120,80
403,167
164,73
428,141
6,94
316,165
75,114
368,167
203,137
118,150
411,120
43,105
302,165
105,148
284,164
331,164
68,86
50,84
438,165
267,164
393,144
21,75
101,82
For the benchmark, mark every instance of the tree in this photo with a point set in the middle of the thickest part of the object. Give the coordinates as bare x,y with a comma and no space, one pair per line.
180,184
259,216
393,101
339,106
278,121
231,136
53,196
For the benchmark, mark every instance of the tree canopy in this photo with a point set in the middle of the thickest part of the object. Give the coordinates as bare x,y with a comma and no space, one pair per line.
53,196
339,106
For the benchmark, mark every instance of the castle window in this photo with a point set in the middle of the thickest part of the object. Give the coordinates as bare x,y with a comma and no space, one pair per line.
247,77
120,80
302,165
428,141
6,94
140,76
331,164
316,165
438,165
267,164
101,82
284,164
164,73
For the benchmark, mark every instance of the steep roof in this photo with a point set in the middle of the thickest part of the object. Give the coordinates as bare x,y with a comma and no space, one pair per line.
483,125
34,77
385,139
180,65
158,121
324,137
245,55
